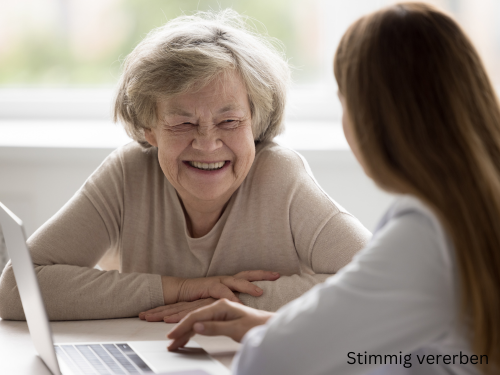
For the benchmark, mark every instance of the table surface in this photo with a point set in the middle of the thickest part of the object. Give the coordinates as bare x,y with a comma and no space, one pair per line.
18,355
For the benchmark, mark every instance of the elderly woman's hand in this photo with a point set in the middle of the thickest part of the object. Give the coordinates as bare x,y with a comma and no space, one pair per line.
184,295
175,312
221,318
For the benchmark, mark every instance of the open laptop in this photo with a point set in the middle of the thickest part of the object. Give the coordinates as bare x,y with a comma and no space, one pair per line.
133,357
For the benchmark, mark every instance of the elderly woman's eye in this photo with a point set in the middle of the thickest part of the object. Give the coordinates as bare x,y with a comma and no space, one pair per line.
181,128
229,124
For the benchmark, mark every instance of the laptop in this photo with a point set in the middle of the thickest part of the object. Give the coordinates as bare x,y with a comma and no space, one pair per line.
103,358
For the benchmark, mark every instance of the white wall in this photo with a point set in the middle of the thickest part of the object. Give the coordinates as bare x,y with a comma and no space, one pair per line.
36,182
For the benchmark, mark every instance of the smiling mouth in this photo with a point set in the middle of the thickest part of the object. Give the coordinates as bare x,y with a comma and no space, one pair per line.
207,166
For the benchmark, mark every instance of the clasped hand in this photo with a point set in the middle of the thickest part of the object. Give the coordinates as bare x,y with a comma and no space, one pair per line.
182,296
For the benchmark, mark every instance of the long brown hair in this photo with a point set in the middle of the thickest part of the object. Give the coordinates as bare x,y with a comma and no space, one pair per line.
427,122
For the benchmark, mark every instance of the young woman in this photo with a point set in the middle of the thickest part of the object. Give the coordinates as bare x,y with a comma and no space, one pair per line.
423,297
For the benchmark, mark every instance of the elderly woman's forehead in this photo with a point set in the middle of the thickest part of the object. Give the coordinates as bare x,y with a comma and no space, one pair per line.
229,94
186,107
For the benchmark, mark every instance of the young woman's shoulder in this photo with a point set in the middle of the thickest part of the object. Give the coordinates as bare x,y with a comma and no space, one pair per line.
409,211
410,234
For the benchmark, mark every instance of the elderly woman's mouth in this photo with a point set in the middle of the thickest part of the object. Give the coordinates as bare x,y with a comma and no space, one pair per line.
207,166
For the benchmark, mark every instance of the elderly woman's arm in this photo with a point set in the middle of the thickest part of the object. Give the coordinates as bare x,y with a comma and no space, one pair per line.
336,242
322,234
90,229
64,251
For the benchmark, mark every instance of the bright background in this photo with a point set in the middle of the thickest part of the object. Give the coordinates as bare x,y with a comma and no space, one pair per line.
60,60
82,42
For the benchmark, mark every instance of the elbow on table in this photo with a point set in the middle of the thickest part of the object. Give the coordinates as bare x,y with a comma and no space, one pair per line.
10,302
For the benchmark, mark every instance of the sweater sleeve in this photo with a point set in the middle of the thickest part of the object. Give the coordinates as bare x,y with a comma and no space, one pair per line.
330,248
66,249
326,238
395,296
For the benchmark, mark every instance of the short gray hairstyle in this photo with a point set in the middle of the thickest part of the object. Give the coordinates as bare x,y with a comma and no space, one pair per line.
193,50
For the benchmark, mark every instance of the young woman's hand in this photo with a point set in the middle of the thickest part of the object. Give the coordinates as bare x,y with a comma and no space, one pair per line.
222,317
178,293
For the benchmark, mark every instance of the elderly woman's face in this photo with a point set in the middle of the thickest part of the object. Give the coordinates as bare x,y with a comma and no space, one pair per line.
205,140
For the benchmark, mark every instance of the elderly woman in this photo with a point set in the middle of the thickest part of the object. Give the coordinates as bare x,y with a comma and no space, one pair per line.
203,205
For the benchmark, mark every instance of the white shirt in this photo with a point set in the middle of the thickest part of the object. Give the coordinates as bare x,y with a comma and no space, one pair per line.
398,297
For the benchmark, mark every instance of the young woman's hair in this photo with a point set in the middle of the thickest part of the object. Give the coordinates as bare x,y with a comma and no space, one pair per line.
427,122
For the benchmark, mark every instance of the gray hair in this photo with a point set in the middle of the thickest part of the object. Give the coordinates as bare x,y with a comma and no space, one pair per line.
190,50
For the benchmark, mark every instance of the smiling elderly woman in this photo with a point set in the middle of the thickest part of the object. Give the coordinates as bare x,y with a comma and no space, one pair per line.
204,205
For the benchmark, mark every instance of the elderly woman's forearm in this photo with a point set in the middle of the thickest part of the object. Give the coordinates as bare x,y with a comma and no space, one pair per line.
171,287
176,289
10,305
278,293
76,293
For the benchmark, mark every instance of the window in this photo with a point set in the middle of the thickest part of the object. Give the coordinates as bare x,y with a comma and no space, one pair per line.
61,58
81,42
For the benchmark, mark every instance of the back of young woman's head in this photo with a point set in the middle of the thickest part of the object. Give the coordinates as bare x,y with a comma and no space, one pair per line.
427,122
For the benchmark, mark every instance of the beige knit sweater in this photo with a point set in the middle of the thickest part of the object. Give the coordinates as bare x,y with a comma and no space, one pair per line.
128,219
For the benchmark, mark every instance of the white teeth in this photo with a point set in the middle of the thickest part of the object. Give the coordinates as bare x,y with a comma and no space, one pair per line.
206,166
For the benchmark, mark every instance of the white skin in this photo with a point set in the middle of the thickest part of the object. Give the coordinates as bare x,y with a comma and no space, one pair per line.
228,318
211,125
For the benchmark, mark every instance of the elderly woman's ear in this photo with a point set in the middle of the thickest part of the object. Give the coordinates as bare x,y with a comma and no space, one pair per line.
150,137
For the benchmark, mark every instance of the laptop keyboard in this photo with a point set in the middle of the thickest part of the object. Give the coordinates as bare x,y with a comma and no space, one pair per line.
102,359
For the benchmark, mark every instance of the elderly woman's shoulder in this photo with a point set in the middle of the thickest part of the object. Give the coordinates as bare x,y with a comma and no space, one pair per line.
285,173
131,157
282,161
274,151
133,154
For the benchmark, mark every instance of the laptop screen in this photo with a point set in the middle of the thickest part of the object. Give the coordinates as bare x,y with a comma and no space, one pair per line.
27,283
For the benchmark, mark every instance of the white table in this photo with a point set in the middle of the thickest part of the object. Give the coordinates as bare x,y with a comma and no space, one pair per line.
18,355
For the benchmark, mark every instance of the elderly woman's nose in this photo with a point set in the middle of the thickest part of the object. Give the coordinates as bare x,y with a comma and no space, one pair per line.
207,139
